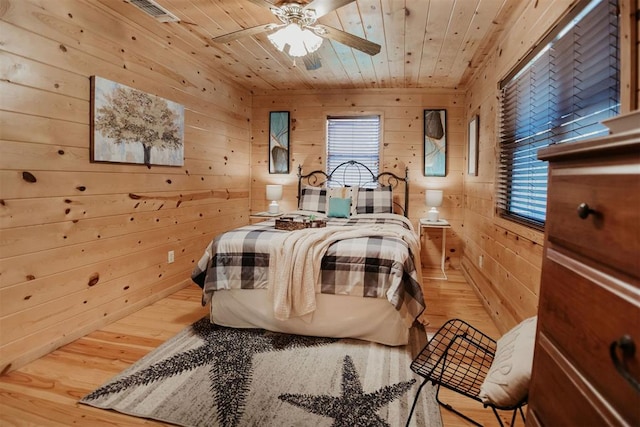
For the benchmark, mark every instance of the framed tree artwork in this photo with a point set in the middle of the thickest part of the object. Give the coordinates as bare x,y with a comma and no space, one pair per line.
472,157
131,126
435,142
279,142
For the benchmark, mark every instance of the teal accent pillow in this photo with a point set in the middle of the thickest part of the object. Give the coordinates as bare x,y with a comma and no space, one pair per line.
339,208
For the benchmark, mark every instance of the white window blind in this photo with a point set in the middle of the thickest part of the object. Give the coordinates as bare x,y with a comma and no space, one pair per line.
560,94
353,138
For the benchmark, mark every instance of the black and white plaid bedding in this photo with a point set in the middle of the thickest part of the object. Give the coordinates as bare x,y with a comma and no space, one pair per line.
313,199
375,267
375,200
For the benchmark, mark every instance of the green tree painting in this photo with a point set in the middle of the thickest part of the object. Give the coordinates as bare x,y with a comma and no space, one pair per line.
132,126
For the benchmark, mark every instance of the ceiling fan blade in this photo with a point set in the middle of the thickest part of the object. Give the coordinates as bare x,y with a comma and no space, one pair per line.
245,32
312,61
348,39
322,7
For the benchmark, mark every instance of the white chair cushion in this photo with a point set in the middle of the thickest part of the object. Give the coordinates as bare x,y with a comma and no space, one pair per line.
507,382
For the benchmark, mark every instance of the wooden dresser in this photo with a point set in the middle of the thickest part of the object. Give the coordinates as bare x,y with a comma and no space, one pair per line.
589,308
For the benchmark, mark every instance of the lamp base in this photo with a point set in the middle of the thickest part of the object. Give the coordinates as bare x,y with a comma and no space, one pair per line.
274,208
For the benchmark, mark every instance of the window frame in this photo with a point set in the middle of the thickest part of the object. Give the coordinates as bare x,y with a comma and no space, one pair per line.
512,142
330,166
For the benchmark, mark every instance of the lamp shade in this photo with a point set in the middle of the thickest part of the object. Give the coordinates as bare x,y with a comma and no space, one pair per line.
433,198
274,193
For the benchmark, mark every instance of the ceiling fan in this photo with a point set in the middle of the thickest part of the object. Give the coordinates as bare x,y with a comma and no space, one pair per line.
298,34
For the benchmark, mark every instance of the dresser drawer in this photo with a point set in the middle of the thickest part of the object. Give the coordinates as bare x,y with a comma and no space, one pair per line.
608,234
583,312
559,396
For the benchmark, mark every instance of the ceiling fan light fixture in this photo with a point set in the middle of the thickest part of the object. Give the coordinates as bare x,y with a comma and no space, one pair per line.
280,37
311,40
301,41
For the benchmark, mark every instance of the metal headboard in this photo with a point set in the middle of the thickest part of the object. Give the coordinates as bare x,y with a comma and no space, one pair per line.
366,178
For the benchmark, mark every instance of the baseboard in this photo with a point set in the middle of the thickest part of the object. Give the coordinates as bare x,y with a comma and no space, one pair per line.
472,275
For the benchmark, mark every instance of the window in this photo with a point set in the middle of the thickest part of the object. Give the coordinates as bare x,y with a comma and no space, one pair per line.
353,138
559,94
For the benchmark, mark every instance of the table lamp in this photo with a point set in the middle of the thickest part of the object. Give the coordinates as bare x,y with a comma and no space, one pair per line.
433,199
274,193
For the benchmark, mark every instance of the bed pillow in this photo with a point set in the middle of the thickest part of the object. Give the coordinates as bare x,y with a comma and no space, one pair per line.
339,208
344,193
507,382
375,200
313,199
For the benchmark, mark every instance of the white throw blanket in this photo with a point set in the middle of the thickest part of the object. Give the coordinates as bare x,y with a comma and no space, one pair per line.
295,259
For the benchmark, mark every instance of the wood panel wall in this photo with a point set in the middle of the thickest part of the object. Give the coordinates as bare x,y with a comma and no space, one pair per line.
502,259
82,243
401,113
78,251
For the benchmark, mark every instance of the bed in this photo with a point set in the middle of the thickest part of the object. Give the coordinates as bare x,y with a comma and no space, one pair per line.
355,274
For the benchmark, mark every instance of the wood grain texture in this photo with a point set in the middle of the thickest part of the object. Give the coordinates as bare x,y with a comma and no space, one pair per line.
511,254
76,247
84,244
46,391
590,300
424,43
401,113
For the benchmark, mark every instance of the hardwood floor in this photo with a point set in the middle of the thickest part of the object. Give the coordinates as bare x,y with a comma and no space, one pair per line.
455,298
46,391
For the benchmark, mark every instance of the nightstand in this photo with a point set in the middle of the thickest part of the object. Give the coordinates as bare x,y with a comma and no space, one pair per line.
263,216
442,224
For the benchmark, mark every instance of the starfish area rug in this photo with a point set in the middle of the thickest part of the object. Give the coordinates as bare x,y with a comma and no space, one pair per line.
210,375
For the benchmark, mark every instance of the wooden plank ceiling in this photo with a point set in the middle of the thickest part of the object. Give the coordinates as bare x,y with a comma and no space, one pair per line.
424,43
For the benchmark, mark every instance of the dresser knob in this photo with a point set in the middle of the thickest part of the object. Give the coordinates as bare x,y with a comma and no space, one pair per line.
584,210
628,349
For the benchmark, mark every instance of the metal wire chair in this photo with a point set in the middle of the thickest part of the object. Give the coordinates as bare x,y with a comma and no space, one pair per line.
459,357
